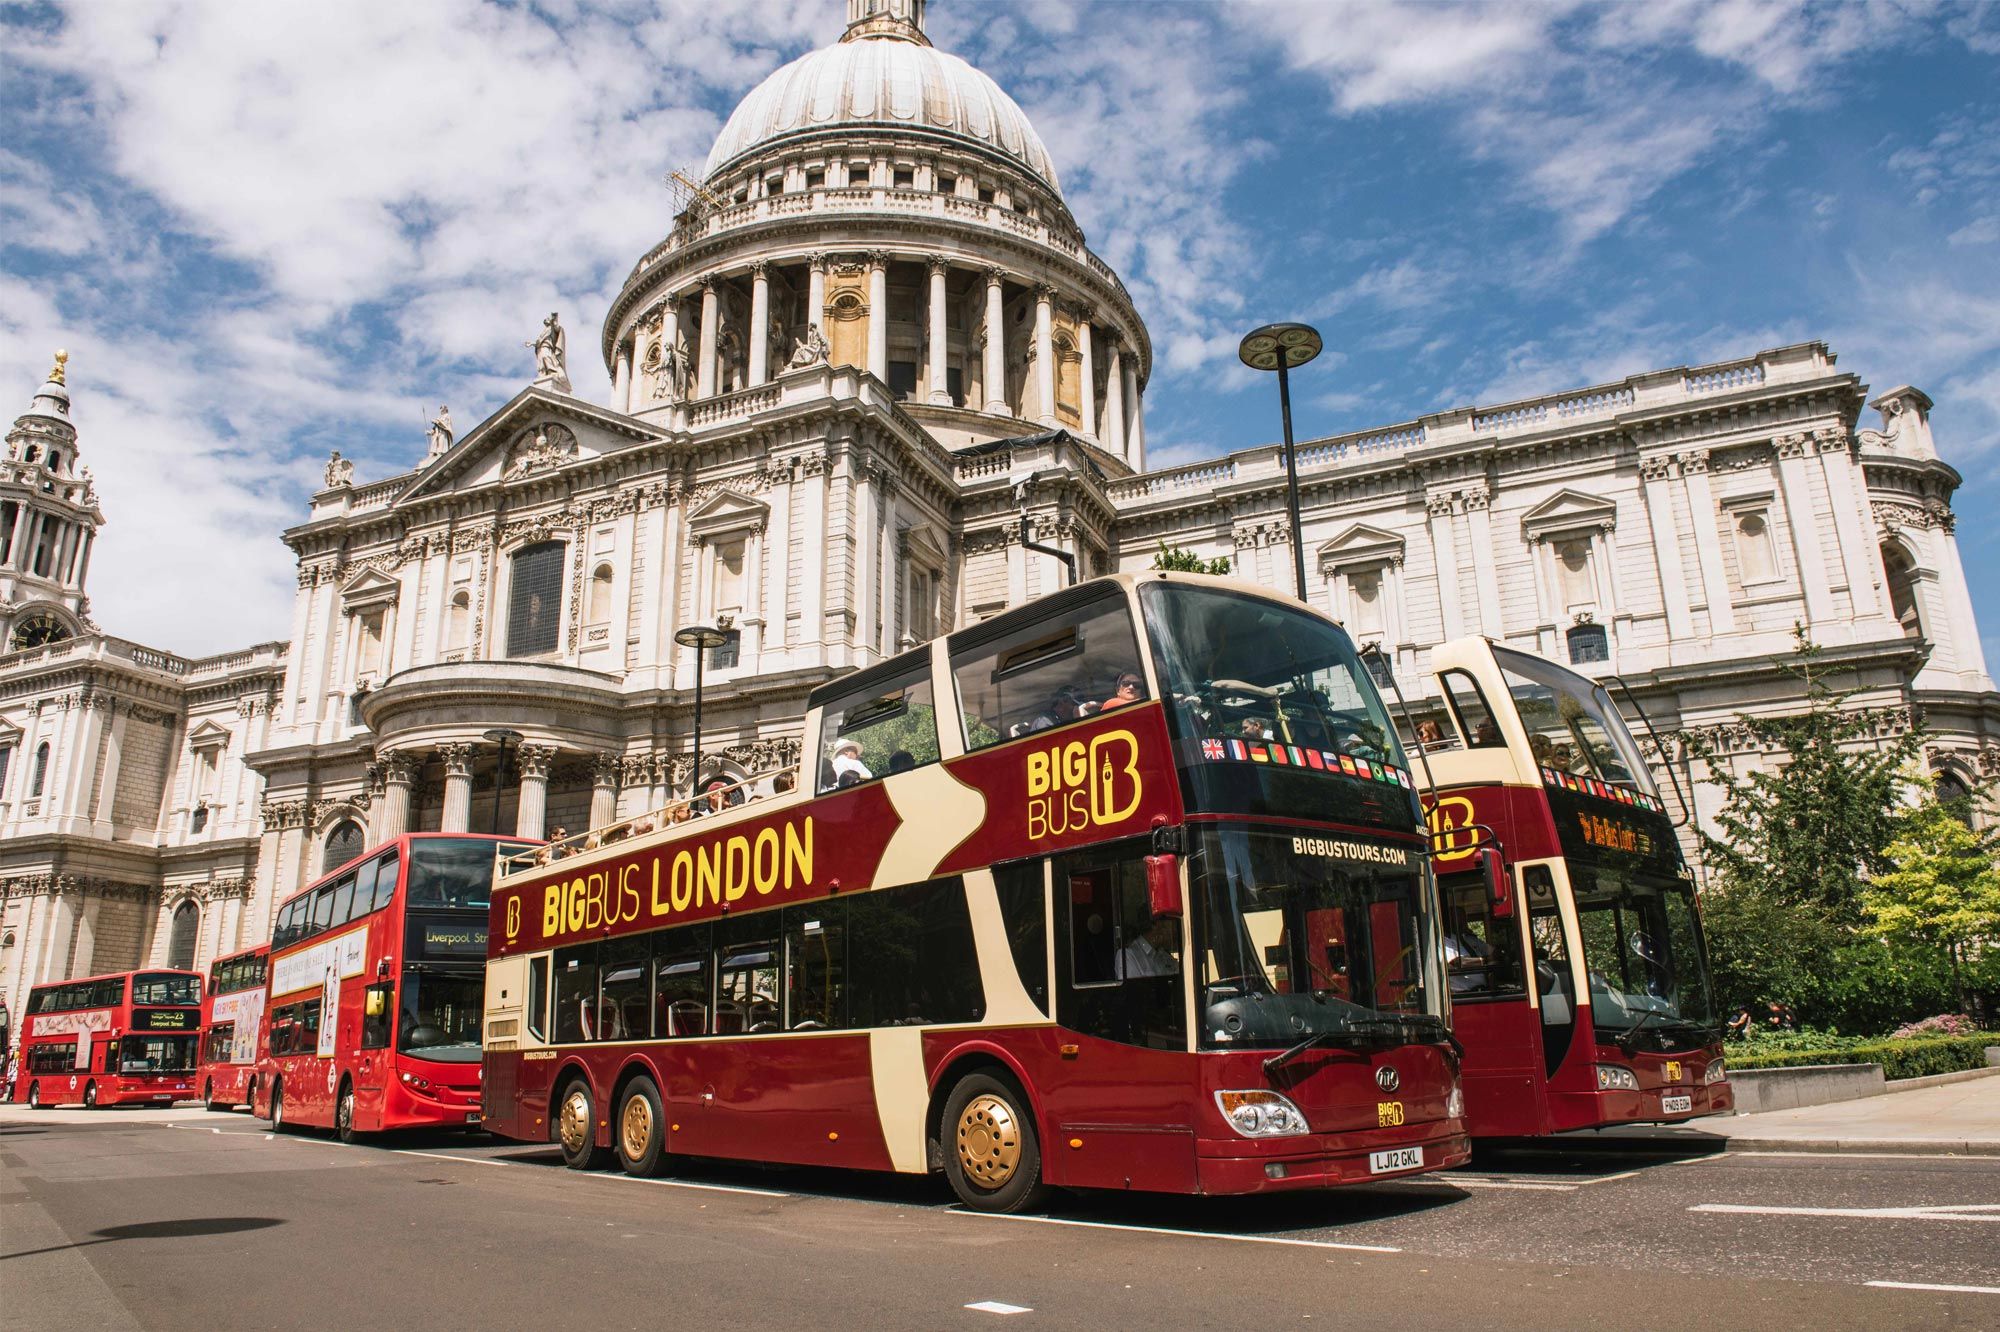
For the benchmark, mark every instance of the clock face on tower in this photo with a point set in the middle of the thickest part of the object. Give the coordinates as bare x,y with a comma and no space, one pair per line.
36,631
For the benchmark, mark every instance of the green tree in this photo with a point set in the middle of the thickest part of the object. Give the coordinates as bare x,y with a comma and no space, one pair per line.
1176,559
1809,834
1941,890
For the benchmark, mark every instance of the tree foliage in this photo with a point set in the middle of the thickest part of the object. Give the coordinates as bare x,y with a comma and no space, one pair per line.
1177,559
1941,890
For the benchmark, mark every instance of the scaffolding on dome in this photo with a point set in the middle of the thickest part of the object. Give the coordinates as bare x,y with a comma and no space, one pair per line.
693,200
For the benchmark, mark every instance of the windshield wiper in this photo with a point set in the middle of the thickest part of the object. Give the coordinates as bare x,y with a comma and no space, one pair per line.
1628,1038
1283,1057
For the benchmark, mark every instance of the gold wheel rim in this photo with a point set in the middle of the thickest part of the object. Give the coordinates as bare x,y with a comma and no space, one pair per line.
635,1126
989,1141
575,1121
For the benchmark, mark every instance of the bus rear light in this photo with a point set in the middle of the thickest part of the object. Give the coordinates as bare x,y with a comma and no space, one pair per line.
1717,1072
1261,1114
1611,1077
1454,1104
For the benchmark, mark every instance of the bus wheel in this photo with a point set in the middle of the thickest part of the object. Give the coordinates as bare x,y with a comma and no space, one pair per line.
641,1136
278,1105
576,1127
90,1096
208,1097
343,1113
991,1157
34,1096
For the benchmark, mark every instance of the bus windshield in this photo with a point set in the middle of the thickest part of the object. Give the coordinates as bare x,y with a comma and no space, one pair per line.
153,988
441,1012
1572,724
448,872
156,1054
1240,667
1309,935
1649,982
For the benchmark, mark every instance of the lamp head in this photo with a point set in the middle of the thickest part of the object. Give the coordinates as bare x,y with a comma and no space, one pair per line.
1294,344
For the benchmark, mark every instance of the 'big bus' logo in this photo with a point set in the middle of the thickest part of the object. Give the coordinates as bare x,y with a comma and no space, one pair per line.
1452,836
1083,784
513,918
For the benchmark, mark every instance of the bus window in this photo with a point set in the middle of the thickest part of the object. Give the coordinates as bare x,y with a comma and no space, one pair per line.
385,880
343,901
921,964
1045,674
1482,955
816,944
1118,966
576,993
1024,914
322,909
378,1015
884,727
747,977
450,872
1475,719
680,983
1572,724
538,998
625,1001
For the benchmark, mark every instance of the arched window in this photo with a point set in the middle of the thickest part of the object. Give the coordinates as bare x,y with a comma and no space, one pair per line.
458,625
343,844
534,605
1902,581
600,595
6,762
1588,643
1954,794
180,943
41,771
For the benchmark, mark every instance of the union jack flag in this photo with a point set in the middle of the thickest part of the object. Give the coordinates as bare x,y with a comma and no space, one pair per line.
1211,750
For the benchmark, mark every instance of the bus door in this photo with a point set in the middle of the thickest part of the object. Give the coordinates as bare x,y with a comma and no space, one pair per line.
372,1062
1499,1027
1562,1010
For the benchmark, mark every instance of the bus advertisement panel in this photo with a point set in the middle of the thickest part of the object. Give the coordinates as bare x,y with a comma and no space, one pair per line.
232,1027
373,1001
122,1039
1056,901
1581,990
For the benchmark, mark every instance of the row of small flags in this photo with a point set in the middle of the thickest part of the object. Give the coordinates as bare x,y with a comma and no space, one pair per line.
1602,790
1319,760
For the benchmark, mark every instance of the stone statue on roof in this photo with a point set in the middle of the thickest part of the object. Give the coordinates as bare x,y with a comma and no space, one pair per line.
440,431
810,350
552,355
339,470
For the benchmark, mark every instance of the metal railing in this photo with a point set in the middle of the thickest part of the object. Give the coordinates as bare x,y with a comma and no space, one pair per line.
683,814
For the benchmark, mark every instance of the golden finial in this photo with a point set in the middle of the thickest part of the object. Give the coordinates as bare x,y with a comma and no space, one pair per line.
56,375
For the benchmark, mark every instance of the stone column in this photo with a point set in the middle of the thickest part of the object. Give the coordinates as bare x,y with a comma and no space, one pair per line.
940,348
706,369
1795,494
1129,391
603,789
1444,553
878,316
621,382
760,323
457,815
1707,542
1087,381
1113,436
670,329
1136,454
996,345
816,290
1858,555
532,768
635,356
1045,356
1483,577
1653,475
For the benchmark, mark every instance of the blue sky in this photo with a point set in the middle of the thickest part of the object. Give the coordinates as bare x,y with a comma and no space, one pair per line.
267,231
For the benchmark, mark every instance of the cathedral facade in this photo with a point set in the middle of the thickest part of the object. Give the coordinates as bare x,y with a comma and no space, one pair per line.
873,358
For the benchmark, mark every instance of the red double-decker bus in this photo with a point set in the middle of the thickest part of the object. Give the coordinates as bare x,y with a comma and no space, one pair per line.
1579,977
374,991
1126,888
122,1039
232,1027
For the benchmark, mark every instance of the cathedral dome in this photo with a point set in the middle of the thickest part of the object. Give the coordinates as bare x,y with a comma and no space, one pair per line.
883,74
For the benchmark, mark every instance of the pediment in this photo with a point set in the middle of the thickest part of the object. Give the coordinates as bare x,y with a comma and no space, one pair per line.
728,511
538,432
1569,511
207,735
1359,545
921,544
370,587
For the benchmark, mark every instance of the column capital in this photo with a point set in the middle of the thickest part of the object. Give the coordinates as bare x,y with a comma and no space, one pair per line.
398,767
1693,463
760,269
1790,446
877,259
995,276
457,759
816,261
534,761
1656,468
1045,294
936,264
604,768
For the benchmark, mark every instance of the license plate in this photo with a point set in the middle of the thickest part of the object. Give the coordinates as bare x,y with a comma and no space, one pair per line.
472,1116
1676,1105
1400,1158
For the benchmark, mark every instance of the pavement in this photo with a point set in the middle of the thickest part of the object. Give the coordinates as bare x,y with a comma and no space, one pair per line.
1959,1117
162,1220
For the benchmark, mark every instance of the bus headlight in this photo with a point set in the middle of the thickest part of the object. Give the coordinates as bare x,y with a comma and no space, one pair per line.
416,1083
1612,1077
1454,1104
1717,1072
1261,1114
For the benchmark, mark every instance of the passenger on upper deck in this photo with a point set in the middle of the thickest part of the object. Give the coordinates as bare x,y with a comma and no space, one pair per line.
1064,707
848,769
1130,689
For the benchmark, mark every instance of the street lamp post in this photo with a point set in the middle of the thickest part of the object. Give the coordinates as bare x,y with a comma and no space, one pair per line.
1280,347
701,638
502,737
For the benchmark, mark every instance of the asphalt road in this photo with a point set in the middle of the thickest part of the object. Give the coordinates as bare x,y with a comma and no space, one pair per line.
179,1219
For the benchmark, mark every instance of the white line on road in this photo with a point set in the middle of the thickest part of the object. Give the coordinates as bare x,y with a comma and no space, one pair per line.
620,1175
1185,1234
1946,1212
994,1306
1925,1285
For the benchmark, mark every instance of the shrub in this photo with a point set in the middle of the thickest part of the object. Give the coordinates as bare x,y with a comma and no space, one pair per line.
1944,1024
1899,1059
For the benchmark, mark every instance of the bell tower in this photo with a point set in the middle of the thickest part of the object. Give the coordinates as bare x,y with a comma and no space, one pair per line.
48,522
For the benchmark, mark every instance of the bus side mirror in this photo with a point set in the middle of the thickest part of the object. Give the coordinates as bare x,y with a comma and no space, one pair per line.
1499,888
1163,885
378,1001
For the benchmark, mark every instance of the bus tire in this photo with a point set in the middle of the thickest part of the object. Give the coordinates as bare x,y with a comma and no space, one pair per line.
35,1096
90,1095
343,1114
576,1126
278,1124
991,1153
641,1138
208,1101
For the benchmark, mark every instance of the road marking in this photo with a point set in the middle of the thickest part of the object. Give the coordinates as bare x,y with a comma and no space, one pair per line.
1185,1234
1947,1212
994,1306
605,1174
1924,1285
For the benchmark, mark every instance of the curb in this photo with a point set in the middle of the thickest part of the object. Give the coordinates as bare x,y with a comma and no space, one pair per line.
1870,1146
